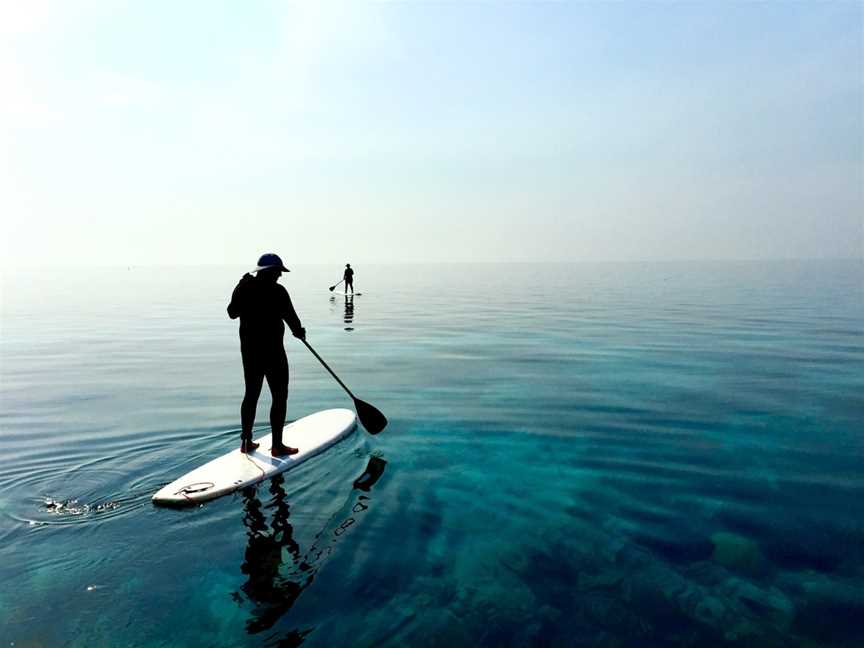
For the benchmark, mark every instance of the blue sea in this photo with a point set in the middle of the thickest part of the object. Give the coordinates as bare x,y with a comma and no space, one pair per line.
665,454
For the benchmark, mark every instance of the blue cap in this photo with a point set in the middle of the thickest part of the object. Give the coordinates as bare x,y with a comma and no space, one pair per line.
270,261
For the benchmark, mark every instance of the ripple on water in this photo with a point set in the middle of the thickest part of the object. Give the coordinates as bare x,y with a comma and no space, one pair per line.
98,493
96,476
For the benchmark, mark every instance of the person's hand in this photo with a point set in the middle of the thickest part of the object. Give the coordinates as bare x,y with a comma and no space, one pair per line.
301,334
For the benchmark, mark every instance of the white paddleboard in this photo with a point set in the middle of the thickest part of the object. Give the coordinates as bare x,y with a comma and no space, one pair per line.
311,434
348,294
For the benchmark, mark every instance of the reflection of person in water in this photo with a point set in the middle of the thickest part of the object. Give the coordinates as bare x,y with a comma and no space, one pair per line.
273,593
348,276
349,312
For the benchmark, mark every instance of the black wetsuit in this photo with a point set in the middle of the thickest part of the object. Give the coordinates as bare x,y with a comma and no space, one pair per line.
262,305
348,276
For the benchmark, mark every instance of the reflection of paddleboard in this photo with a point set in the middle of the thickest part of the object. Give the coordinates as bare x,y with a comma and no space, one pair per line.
311,434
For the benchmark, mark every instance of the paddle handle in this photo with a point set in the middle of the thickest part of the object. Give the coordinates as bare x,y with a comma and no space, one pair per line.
321,360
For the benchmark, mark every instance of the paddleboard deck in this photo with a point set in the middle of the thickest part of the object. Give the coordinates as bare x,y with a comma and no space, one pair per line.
311,434
348,294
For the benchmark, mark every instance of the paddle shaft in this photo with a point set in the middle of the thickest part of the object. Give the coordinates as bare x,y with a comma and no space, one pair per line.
321,360
333,286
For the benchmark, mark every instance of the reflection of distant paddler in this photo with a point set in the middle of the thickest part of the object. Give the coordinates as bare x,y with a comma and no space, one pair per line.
273,593
349,309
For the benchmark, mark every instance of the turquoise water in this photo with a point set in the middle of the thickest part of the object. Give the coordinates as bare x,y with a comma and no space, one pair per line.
665,454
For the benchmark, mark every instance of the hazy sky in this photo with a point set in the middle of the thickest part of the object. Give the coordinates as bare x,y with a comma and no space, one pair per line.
153,132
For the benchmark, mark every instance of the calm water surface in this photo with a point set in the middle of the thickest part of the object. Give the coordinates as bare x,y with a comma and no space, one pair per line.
664,454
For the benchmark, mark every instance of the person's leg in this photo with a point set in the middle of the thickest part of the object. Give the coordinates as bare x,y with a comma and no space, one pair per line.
277,380
253,374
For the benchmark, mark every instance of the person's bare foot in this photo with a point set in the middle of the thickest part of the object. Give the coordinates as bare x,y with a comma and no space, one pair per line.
248,446
283,451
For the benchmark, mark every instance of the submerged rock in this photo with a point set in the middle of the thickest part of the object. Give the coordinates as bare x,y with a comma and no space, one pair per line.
767,606
737,552
830,609
604,580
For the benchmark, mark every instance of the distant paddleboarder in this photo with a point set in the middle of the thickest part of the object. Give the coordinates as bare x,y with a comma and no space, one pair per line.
263,305
348,277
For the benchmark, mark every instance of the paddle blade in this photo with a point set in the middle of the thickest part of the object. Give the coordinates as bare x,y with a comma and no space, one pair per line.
331,288
371,417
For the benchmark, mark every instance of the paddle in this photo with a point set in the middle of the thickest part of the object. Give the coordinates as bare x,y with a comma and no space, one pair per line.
331,290
371,418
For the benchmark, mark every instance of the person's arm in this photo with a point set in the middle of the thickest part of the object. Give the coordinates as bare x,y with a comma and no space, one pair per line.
291,319
235,308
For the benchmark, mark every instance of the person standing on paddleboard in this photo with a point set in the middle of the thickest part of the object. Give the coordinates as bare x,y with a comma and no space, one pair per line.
348,276
263,305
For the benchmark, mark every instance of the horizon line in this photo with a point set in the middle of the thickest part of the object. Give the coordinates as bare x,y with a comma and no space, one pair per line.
4,268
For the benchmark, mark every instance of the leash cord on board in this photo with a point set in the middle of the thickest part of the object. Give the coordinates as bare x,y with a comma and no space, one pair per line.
189,489
248,458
